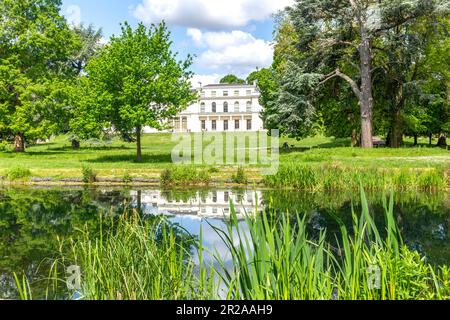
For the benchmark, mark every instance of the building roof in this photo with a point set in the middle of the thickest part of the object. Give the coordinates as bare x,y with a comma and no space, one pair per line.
229,85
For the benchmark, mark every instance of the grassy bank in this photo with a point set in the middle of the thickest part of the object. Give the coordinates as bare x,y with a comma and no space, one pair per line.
344,177
114,162
272,257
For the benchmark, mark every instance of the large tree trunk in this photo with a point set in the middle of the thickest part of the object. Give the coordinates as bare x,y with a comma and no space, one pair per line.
138,144
366,98
430,139
396,134
416,139
442,142
19,142
75,144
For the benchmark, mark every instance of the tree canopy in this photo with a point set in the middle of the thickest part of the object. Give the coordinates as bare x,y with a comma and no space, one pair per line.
333,55
133,82
231,79
35,46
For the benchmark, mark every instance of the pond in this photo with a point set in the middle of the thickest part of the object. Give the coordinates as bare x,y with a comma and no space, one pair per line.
34,221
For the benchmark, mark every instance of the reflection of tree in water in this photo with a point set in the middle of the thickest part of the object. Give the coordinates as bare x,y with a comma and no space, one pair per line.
423,218
32,220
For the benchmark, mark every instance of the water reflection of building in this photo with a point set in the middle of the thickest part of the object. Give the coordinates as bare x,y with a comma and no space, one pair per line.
203,204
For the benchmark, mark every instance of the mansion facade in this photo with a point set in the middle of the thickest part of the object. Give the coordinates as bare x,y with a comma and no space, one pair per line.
221,108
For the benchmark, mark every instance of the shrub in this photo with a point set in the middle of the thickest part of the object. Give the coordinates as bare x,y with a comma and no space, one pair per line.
5,146
240,176
127,178
18,173
166,177
213,170
89,175
184,175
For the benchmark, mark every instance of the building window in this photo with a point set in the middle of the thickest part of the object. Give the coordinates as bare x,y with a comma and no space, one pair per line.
236,92
236,106
202,107
249,124
214,125
249,106
226,196
213,93
214,107
249,92
236,124
214,197
225,107
203,125
225,93
202,94
225,125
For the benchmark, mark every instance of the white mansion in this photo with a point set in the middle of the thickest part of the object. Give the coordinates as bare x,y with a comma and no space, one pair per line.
222,107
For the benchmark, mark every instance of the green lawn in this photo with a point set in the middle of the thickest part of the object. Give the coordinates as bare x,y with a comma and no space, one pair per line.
57,160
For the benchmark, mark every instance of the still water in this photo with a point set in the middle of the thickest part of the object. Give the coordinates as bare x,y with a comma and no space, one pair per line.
33,221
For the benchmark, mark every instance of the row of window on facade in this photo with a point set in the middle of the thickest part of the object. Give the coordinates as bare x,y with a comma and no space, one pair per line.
226,93
225,107
226,127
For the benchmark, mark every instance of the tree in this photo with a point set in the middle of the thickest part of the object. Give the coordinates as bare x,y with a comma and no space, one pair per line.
90,40
133,82
35,43
231,79
336,40
266,82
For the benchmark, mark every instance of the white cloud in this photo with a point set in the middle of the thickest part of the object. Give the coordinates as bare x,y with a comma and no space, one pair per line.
73,13
211,14
235,52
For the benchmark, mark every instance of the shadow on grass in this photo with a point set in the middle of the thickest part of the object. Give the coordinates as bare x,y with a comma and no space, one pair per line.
93,148
154,158
335,143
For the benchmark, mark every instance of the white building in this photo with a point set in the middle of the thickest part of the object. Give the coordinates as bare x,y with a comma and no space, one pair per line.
221,107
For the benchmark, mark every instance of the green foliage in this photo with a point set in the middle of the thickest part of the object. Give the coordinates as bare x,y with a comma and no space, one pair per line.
268,87
89,175
35,45
5,146
184,175
319,68
17,173
240,177
23,287
127,178
156,253
336,176
275,259
134,81
231,79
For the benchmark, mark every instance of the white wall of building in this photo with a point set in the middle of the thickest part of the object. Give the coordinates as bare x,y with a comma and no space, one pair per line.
243,106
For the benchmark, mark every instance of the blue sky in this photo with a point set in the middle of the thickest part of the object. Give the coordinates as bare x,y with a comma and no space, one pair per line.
226,36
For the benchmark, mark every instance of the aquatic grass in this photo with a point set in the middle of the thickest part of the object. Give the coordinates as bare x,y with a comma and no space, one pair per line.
272,257
184,175
89,175
277,260
18,173
240,177
139,260
336,176
23,287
